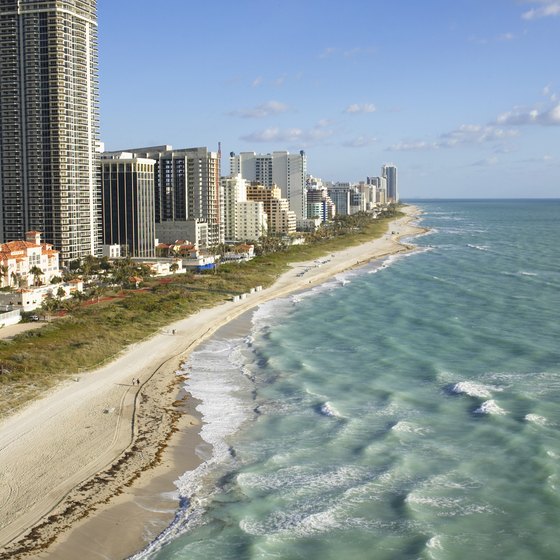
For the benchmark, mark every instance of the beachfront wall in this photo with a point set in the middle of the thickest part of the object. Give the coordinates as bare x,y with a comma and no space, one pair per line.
29,299
10,318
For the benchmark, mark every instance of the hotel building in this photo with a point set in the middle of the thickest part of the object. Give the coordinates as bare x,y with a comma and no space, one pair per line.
389,172
280,218
188,192
282,169
49,172
128,203
244,220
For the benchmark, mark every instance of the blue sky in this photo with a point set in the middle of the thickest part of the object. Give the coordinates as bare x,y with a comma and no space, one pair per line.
462,95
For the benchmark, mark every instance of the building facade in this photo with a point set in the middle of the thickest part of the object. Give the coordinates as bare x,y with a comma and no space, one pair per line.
49,178
319,204
340,195
28,263
251,221
187,187
281,220
379,184
286,171
244,220
128,203
389,172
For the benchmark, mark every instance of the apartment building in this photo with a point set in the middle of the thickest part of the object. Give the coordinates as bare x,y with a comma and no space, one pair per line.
128,203
49,172
187,189
282,169
281,220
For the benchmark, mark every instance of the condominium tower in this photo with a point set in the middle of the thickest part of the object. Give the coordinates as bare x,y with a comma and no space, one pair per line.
128,203
286,171
49,176
389,172
187,189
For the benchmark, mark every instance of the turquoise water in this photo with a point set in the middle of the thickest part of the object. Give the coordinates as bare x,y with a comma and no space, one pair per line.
407,410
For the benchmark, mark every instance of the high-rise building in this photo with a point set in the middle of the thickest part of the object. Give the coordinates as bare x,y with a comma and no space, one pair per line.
340,195
244,220
49,171
287,171
281,220
187,189
379,184
389,172
128,203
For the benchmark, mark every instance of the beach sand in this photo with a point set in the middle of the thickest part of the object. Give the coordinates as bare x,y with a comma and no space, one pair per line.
87,471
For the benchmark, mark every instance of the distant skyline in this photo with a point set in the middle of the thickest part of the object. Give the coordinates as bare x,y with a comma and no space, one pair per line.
463,96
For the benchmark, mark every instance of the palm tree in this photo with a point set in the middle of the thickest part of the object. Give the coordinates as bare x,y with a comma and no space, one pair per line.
3,274
37,273
49,305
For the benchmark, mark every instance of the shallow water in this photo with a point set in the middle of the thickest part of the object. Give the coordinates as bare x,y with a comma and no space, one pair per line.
410,409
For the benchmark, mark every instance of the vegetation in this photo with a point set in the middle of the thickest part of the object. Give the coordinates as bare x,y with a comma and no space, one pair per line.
93,332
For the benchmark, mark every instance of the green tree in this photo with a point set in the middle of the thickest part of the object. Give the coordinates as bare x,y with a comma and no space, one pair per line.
37,273
3,272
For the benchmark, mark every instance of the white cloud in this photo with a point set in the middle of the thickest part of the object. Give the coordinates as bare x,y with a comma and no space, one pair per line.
506,37
542,159
327,52
412,146
547,8
522,117
360,142
475,134
495,39
356,51
548,92
316,135
487,162
466,134
361,108
261,111
257,81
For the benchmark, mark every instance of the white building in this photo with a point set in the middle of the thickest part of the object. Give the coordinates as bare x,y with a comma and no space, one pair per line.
244,220
286,171
251,221
380,186
28,263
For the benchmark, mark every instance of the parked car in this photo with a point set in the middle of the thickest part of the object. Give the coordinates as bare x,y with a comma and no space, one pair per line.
34,318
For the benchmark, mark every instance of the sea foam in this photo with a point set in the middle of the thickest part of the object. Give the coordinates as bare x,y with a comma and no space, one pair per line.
472,389
490,407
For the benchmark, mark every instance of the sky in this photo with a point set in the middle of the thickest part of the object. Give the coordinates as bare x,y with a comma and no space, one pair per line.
463,96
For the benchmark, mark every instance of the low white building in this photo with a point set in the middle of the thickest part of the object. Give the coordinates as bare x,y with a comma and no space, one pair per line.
28,263
29,299
163,266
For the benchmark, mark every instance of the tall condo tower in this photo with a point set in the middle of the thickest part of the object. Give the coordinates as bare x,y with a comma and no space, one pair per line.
286,171
49,175
389,172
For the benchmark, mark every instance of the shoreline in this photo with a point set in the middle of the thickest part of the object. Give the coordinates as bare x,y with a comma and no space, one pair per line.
91,487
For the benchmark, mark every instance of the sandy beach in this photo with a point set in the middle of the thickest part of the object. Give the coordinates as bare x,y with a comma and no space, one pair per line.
99,454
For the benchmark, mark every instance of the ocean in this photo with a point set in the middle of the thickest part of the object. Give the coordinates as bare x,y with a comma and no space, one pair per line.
409,409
